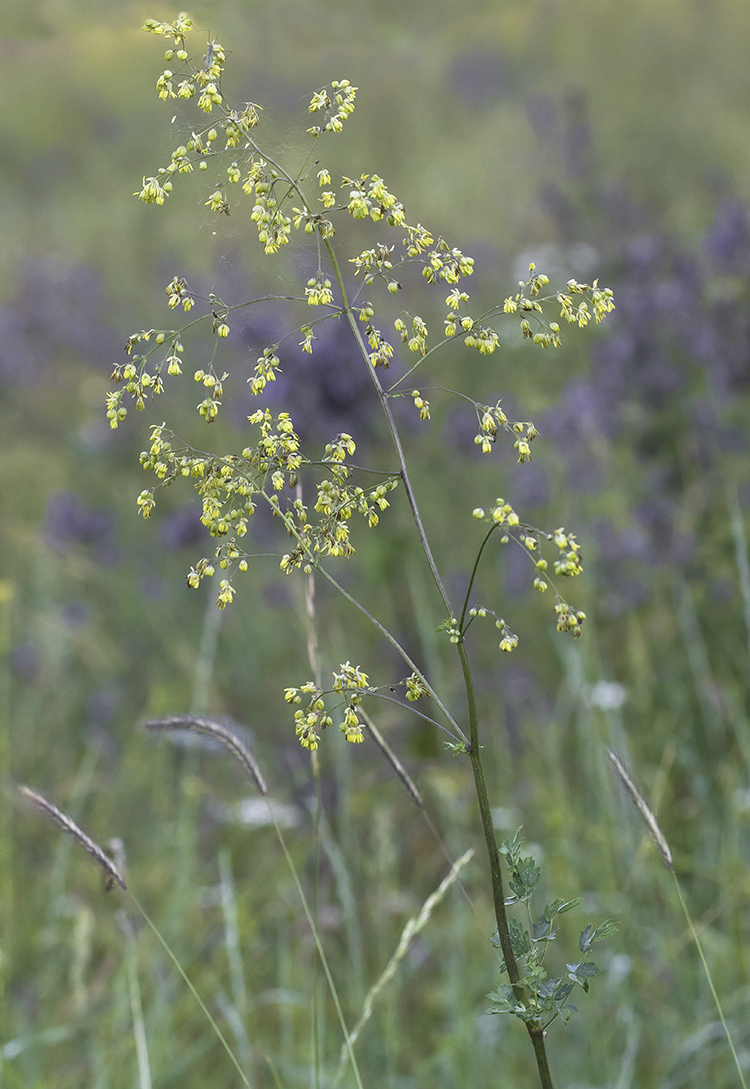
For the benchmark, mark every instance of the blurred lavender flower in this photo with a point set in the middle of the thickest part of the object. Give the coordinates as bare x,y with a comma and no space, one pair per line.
102,706
55,309
183,528
481,76
622,557
584,474
25,661
154,587
542,114
75,614
530,486
661,396
577,137
727,242
69,521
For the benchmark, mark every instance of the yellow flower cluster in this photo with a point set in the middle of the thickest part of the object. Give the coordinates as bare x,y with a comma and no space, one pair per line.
602,302
273,226
338,105
509,641
415,688
382,351
422,404
491,418
547,335
447,265
570,562
568,620
485,340
178,294
214,386
418,240
318,291
368,196
352,684
377,259
230,486
152,192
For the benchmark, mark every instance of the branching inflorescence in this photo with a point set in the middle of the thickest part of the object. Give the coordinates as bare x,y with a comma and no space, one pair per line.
231,486
282,200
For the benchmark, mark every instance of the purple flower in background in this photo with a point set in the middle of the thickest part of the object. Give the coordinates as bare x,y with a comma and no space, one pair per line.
75,614
101,707
542,114
153,587
481,76
54,310
727,242
621,557
577,136
183,528
68,521
531,486
650,426
25,661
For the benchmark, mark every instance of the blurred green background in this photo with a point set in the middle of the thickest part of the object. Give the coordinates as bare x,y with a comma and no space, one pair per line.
598,139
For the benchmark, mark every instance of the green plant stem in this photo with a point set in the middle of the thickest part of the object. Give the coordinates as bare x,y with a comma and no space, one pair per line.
707,972
498,893
474,570
536,1033
348,1045
136,1005
206,1012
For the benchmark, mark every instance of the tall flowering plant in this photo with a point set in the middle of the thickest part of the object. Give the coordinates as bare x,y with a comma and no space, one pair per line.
394,347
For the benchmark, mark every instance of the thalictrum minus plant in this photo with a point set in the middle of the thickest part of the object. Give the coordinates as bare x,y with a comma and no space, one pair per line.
284,198
296,197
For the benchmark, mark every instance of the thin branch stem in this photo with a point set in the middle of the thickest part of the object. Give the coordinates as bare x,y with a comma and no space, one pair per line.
206,1012
498,893
399,649
474,570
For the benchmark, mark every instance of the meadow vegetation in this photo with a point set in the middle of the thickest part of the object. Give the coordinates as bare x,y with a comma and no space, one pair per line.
641,453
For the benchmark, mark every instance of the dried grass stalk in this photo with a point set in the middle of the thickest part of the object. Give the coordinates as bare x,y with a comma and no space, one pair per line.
393,760
645,810
221,732
409,933
72,828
